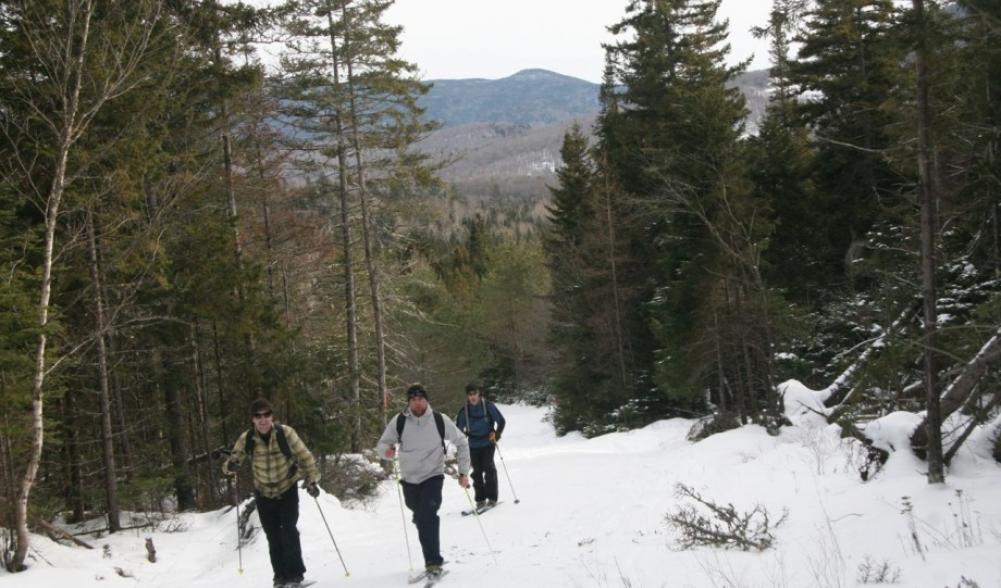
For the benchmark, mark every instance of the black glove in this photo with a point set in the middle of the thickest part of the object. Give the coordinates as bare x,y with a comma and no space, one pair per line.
232,466
312,489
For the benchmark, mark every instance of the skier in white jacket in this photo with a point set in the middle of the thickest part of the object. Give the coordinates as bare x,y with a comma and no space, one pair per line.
420,433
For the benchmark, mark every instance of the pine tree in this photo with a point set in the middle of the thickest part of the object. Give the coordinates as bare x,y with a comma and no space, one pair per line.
848,66
673,142
977,128
572,219
357,100
780,165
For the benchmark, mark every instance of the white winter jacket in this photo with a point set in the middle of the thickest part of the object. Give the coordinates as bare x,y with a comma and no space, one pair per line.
420,449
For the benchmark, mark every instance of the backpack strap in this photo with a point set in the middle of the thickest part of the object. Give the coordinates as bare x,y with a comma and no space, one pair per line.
439,421
401,421
283,441
286,450
488,413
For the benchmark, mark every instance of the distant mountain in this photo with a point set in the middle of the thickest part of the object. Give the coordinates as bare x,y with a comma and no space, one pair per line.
504,135
541,97
531,96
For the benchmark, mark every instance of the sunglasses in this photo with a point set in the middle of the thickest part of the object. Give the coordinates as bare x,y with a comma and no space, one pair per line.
261,415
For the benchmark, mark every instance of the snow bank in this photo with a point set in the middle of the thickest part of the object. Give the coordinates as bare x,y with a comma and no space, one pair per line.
592,511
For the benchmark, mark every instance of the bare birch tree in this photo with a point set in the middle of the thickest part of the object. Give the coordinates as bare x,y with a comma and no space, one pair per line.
80,63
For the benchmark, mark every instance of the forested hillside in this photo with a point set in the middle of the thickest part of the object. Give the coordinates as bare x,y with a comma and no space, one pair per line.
528,97
853,243
184,230
502,137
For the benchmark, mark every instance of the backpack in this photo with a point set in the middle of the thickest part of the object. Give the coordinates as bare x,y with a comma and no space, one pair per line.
487,405
282,445
439,422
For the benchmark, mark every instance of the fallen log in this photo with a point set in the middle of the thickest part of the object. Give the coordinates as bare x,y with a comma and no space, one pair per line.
55,532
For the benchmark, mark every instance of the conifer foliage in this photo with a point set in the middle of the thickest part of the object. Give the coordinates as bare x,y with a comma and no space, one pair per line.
183,229
677,232
722,263
168,249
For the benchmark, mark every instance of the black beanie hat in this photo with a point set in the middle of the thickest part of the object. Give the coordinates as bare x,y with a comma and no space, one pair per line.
260,405
416,391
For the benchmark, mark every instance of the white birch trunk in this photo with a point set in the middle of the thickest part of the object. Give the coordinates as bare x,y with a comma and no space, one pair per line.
61,43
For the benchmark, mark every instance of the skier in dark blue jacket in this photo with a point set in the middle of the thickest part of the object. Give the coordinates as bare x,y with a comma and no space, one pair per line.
480,420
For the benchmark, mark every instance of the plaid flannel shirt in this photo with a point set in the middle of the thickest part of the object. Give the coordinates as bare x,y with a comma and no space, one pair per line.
269,464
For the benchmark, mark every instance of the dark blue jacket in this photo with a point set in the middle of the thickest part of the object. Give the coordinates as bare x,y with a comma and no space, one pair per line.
476,421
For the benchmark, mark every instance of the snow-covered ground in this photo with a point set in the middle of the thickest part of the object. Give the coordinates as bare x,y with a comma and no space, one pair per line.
592,513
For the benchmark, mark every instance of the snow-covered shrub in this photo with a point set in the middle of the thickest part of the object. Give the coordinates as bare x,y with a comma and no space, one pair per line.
351,476
710,524
872,572
867,458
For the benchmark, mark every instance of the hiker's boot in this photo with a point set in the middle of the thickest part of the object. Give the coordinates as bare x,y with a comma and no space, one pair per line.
433,571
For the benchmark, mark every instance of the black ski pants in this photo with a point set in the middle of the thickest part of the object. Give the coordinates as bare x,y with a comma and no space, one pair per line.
278,518
423,500
484,472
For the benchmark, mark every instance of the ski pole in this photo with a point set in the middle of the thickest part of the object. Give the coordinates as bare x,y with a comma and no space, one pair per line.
507,475
480,523
329,532
403,517
239,537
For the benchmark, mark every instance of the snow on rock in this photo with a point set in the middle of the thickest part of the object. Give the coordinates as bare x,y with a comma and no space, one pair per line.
801,404
893,431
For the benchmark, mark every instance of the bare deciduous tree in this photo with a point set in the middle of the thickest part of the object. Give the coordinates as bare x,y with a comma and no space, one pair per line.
81,62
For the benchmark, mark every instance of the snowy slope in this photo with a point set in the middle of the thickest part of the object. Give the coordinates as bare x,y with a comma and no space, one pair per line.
592,514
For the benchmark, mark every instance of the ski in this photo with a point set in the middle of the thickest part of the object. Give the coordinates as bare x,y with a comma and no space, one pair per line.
480,510
302,584
419,577
423,576
432,580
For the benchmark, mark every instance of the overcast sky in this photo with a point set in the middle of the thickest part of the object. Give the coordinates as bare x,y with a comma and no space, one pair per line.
493,39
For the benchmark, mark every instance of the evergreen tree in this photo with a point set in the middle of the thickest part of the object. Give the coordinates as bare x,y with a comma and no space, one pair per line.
356,100
780,162
976,133
673,143
570,237
848,67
